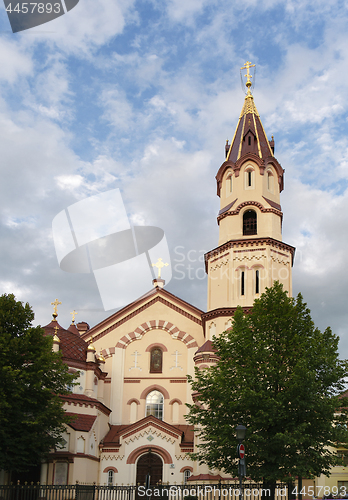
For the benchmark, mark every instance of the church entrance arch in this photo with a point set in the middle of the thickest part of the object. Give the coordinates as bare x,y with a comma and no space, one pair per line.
151,464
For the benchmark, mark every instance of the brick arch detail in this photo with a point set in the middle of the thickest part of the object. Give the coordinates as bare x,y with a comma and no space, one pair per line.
135,454
133,400
176,400
248,205
156,324
242,266
156,344
186,467
154,387
110,468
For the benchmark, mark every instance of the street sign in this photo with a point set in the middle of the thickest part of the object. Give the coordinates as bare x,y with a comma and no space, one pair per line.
241,451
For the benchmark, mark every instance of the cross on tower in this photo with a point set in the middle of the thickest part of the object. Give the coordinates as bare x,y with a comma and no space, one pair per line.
247,66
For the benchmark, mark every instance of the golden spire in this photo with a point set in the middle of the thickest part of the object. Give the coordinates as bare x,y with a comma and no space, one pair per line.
73,316
55,336
55,312
249,105
159,264
90,345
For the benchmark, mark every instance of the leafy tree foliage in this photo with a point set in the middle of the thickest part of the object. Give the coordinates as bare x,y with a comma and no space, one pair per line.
31,378
282,378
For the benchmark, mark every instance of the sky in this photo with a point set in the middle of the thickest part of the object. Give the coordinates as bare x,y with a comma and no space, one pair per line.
141,96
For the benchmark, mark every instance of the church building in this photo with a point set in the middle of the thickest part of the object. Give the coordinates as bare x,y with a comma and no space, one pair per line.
129,405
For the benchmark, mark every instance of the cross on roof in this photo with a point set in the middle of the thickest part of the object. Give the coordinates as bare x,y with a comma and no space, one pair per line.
159,264
55,312
73,315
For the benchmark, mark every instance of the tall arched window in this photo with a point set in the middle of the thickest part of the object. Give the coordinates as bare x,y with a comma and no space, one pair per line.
156,360
270,181
110,478
249,178
249,222
229,184
187,474
154,405
257,281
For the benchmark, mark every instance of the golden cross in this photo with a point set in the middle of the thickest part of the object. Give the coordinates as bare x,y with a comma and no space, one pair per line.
247,66
55,304
73,315
56,330
159,264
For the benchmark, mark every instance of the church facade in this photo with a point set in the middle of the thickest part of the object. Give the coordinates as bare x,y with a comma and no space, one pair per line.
128,409
129,406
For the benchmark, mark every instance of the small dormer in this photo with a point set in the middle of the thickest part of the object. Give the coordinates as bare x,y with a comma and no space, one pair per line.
250,142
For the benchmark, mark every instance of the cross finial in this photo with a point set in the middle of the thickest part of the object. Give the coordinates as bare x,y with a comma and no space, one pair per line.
73,316
159,264
247,66
55,312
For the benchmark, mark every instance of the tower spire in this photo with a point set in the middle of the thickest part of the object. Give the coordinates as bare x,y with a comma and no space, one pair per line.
250,136
250,254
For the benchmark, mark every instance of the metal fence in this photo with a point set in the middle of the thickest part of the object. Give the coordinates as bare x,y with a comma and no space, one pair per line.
251,491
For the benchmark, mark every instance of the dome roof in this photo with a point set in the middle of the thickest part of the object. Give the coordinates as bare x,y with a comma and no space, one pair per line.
72,346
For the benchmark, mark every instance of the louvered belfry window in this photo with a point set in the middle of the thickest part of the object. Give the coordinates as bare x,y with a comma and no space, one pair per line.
249,222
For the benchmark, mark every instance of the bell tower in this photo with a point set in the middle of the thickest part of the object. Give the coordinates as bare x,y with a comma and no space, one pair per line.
250,254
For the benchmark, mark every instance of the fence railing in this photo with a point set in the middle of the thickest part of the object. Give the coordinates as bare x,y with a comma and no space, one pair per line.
250,491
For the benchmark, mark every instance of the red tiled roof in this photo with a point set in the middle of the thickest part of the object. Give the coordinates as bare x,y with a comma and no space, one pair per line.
81,422
72,328
207,347
72,346
82,399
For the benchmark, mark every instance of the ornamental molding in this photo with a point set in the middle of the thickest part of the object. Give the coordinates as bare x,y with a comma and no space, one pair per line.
158,298
150,431
156,324
185,456
243,245
248,204
105,457
249,258
219,265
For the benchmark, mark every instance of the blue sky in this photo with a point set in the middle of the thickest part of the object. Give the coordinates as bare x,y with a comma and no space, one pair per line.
142,96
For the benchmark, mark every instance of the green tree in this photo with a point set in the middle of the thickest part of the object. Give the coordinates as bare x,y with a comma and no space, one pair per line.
31,378
282,378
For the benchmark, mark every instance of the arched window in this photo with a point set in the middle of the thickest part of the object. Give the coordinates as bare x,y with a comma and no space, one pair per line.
270,181
154,405
242,283
156,360
257,281
187,474
110,478
249,178
249,222
229,184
